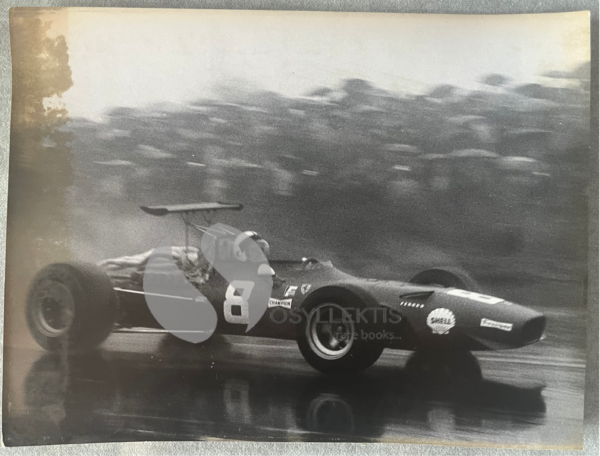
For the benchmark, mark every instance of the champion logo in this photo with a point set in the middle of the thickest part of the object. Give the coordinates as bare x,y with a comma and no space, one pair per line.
286,303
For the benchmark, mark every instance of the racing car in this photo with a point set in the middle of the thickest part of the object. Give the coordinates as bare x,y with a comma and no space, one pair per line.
341,323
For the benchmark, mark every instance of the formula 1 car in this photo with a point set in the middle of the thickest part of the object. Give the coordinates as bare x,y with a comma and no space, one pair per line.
341,323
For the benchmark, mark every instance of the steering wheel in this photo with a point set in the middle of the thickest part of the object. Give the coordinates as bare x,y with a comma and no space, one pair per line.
307,262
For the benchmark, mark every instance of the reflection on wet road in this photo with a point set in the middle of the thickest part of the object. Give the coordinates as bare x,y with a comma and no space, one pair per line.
154,387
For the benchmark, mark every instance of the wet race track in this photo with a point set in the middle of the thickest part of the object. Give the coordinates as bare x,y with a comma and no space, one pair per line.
154,387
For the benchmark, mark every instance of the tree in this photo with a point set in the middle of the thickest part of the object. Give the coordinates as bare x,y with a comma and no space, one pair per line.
443,91
495,80
40,160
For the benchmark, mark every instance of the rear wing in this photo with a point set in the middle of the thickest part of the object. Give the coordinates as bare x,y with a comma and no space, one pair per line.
187,208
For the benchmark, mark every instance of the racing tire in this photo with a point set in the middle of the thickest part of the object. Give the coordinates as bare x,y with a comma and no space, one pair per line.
71,306
337,347
446,278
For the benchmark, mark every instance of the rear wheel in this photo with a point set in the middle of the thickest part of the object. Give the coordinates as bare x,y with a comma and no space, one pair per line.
71,306
333,339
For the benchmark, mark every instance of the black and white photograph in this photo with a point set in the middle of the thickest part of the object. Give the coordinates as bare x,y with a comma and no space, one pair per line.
285,226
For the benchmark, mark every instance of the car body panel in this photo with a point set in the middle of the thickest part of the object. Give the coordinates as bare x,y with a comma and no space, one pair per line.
430,316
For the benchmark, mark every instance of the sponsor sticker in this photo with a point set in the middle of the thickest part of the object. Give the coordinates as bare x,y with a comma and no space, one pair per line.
285,303
441,321
305,287
290,291
496,324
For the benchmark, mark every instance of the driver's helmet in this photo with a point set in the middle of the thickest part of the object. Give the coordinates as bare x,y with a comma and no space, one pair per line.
243,237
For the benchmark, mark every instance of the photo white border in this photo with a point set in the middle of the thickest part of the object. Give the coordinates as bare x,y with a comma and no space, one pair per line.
396,6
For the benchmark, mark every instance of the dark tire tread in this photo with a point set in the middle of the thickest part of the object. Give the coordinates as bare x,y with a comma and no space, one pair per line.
363,353
95,306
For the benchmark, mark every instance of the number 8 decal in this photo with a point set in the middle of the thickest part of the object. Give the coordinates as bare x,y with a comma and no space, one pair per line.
231,299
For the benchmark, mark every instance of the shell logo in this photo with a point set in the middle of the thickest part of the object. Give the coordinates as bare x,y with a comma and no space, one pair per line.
441,321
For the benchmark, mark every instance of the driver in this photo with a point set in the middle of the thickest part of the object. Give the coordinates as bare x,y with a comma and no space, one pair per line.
240,241
247,251
254,256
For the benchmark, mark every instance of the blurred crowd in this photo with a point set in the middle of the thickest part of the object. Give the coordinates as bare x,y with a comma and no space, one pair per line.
505,164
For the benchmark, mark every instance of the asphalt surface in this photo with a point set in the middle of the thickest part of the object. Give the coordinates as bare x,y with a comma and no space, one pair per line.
142,387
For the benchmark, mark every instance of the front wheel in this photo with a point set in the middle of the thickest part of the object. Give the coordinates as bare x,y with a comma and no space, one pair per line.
71,306
334,340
